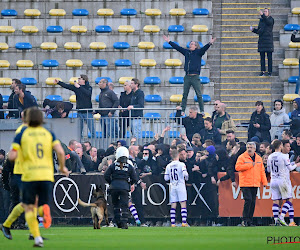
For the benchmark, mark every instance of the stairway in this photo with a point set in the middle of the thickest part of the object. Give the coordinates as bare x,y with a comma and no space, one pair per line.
237,62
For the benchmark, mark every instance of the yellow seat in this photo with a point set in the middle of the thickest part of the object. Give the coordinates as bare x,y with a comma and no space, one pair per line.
146,45
3,46
30,29
7,29
123,79
74,63
25,63
48,46
72,45
57,12
199,28
291,62
152,12
97,45
78,29
73,79
147,62
32,12
105,12
290,97
175,98
206,115
177,12
72,98
294,45
126,29
173,62
50,80
151,29
5,81
296,10
4,64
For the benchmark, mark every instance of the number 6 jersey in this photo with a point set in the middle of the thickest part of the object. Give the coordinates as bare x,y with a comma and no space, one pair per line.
176,172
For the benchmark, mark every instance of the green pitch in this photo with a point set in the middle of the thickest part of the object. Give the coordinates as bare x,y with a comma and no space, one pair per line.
154,238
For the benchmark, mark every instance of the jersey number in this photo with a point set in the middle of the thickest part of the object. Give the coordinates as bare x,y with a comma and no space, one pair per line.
174,174
275,166
39,150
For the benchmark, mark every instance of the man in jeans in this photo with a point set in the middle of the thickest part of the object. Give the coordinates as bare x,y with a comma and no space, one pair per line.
192,68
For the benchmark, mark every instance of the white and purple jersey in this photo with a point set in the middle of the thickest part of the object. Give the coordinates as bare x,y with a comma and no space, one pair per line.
176,172
279,166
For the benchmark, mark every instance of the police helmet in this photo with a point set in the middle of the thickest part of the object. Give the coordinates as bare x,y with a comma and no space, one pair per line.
122,154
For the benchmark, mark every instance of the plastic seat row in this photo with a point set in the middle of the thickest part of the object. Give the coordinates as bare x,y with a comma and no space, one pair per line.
291,27
102,12
291,62
178,98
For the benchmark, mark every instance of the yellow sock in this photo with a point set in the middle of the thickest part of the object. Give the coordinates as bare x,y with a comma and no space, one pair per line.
41,211
32,222
15,213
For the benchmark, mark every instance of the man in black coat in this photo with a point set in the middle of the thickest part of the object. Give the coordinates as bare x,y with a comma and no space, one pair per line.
57,109
209,132
265,41
125,100
10,104
23,99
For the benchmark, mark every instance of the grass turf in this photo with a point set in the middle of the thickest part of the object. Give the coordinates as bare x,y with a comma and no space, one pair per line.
154,238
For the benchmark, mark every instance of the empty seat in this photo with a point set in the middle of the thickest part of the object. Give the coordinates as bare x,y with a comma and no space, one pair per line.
54,98
290,97
7,29
153,12
199,28
200,11
296,10
50,63
291,62
173,134
123,79
98,134
128,12
176,28
72,98
23,46
78,29
152,80
73,79
72,45
103,29
105,12
123,63
204,80
5,98
80,12
30,29
147,134
32,12
121,45
97,45
9,12
25,63
4,46
57,12
188,44
97,80
203,62
73,114
294,45
146,45
153,98
291,27
206,114
74,63
97,98
99,63
28,81
4,64
147,62
293,79
173,62
175,98
5,81
176,80
48,46
151,29
126,29
205,98
177,12
50,80
166,45
55,29
152,116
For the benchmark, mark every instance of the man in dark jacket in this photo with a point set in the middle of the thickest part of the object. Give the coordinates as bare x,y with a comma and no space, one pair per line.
209,132
23,99
108,99
125,100
295,117
192,68
265,40
10,104
148,166
83,92
57,109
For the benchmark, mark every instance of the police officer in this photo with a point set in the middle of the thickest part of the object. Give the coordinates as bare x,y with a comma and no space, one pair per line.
121,176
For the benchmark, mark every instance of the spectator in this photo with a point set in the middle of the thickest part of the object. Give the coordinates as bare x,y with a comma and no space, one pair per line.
88,147
262,148
4,194
1,107
278,118
296,40
209,132
108,99
287,135
10,105
232,148
270,149
57,109
224,165
23,99
121,143
111,86
208,143
259,126
133,141
148,165
85,159
211,164
192,123
196,142
295,146
83,92
230,136
295,117
137,101
222,121
215,109
162,157
125,100
94,158
106,162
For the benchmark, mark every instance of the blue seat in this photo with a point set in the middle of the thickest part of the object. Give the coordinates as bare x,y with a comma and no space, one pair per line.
98,134
199,11
188,44
23,46
99,63
293,79
152,80
9,12
168,46
174,134
291,27
202,62
28,81
123,63
205,98
50,63
176,80
54,98
204,80
152,116
128,12
97,80
173,115
72,115
290,115
97,98
121,45
55,29
103,29
153,98
147,134
5,98
176,28
49,116
80,12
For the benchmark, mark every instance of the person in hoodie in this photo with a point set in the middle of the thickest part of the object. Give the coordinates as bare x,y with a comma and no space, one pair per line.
295,117
23,99
10,104
83,92
278,118
163,157
209,132
192,68
148,166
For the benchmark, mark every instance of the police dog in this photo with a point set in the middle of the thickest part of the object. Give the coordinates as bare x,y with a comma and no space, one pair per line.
98,208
